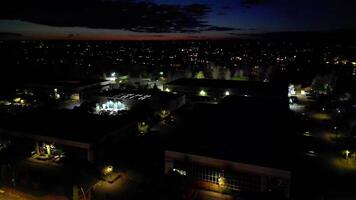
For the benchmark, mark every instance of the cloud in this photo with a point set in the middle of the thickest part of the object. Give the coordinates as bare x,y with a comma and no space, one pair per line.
249,3
120,14
337,35
221,28
9,35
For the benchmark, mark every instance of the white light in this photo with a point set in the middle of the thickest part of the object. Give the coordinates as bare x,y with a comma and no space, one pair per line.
180,172
167,90
227,93
202,93
111,106
113,74
108,170
291,90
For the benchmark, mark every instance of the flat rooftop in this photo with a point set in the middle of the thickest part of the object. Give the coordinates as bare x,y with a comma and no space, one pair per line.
266,88
67,84
255,133
136,94
73,125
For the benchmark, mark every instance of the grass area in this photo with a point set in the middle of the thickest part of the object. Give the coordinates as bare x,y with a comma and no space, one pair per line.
239,78
320,116
344,164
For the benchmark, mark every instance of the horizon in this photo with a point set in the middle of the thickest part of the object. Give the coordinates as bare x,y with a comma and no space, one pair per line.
170,19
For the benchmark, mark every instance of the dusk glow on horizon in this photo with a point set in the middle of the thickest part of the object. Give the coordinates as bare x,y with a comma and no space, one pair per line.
170,19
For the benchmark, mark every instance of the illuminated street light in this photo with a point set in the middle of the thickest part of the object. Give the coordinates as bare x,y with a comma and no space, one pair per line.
142,127
48,148
161,73
107,170
167,90
227,93
347,152
17,100
113,74
164,113
202,93
221,181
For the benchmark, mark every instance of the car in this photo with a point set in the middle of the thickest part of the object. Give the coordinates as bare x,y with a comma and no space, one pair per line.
311,153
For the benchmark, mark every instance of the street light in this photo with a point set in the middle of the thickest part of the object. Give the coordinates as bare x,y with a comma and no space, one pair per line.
347,152
108,170
202,93
227,93
221,181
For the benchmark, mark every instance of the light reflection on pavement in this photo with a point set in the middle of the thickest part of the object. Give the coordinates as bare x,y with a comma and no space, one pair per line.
12,194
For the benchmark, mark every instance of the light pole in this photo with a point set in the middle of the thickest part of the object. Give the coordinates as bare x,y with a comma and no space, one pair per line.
347,152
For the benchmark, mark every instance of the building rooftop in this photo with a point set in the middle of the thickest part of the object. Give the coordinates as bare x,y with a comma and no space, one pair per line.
67,84
254,133
72,125
254,87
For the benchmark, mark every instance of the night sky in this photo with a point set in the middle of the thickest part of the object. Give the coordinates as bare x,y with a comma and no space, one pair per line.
169,19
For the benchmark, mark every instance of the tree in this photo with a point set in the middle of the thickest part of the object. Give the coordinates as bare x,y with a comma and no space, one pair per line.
215,72
324,84
199,75
227,74
142,127
239,75
188,73
75,192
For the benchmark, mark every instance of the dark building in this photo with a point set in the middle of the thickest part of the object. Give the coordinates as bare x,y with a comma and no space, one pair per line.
239,144
81,132
214,90
70,89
